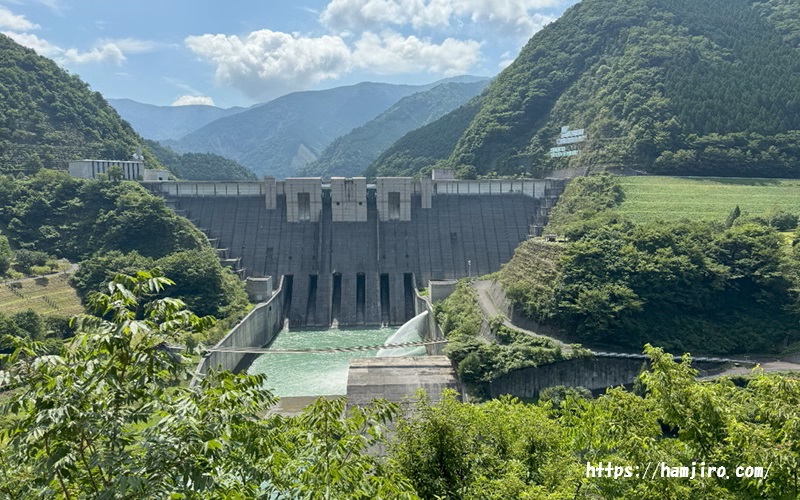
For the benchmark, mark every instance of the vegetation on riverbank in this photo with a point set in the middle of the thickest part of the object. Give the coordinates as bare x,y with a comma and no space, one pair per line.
121,425
480,360
724,286
110,227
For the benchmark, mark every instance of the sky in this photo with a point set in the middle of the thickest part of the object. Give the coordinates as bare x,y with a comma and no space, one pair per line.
239,53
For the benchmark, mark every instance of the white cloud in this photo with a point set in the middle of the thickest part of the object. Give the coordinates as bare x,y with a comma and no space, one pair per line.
41,46
106,52
507,16
193,100
11,21
266,64
132,45
391,53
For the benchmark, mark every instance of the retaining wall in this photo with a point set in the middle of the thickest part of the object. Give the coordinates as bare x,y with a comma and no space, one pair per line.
592,373
257,329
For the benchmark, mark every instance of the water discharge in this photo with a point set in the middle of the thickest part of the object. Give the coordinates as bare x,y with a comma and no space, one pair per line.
316,374
410,332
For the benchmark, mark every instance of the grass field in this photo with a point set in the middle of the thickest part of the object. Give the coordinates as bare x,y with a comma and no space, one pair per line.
33,291
673,199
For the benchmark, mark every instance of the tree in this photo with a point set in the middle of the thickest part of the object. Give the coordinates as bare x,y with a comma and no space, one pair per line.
28,259
115,173
118,425
6,255
735,213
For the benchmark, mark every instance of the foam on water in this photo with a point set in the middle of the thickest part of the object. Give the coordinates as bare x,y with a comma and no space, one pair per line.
315,374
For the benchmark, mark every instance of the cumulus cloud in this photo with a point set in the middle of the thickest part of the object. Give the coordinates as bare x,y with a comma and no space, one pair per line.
508,16
41,46
266,64
193,100
11,21
391,53
106,52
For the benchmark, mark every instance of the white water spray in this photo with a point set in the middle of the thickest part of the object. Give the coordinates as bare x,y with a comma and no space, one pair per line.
410,332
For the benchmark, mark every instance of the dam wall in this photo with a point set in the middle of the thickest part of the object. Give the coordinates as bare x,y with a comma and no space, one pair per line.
257,329
351,253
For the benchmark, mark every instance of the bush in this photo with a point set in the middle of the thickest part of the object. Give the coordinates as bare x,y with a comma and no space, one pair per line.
28,259
39,270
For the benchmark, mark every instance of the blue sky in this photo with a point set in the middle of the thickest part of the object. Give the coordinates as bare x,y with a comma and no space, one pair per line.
237,52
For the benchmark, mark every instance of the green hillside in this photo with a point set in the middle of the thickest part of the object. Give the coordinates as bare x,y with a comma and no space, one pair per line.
699,87
49,117
702,282
352,153
199,166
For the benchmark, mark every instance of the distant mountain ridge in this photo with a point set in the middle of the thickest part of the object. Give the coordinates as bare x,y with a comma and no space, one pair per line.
687,87
350,154
168,122
281,137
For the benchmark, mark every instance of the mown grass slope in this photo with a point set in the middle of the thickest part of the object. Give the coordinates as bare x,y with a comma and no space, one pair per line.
48,296
674,198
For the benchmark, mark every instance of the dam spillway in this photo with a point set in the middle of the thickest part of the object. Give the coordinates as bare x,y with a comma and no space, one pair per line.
352,254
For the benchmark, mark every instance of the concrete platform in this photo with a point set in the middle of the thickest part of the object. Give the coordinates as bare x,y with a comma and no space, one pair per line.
398,379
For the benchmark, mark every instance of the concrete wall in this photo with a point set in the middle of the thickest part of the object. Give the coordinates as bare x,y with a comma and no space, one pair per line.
398,379
258,289
440,290
257,329
592,373
349,199
305,186
385,186
89,169
270,193
156,175
528,187
192,189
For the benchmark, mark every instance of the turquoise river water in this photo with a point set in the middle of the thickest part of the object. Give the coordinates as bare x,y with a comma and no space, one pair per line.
316,374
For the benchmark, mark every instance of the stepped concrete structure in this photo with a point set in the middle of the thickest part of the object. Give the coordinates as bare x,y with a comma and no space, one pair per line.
352,253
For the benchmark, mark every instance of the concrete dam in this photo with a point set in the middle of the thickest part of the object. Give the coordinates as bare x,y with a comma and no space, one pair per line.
351,254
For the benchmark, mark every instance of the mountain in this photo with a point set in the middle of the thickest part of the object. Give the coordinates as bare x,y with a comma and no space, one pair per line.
694,87
49,117
282,136
350,154
168,122
199,166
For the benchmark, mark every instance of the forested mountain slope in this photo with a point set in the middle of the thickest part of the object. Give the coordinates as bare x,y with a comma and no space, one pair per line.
349,155
671,86
168,122
199,166
284,135
49,117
